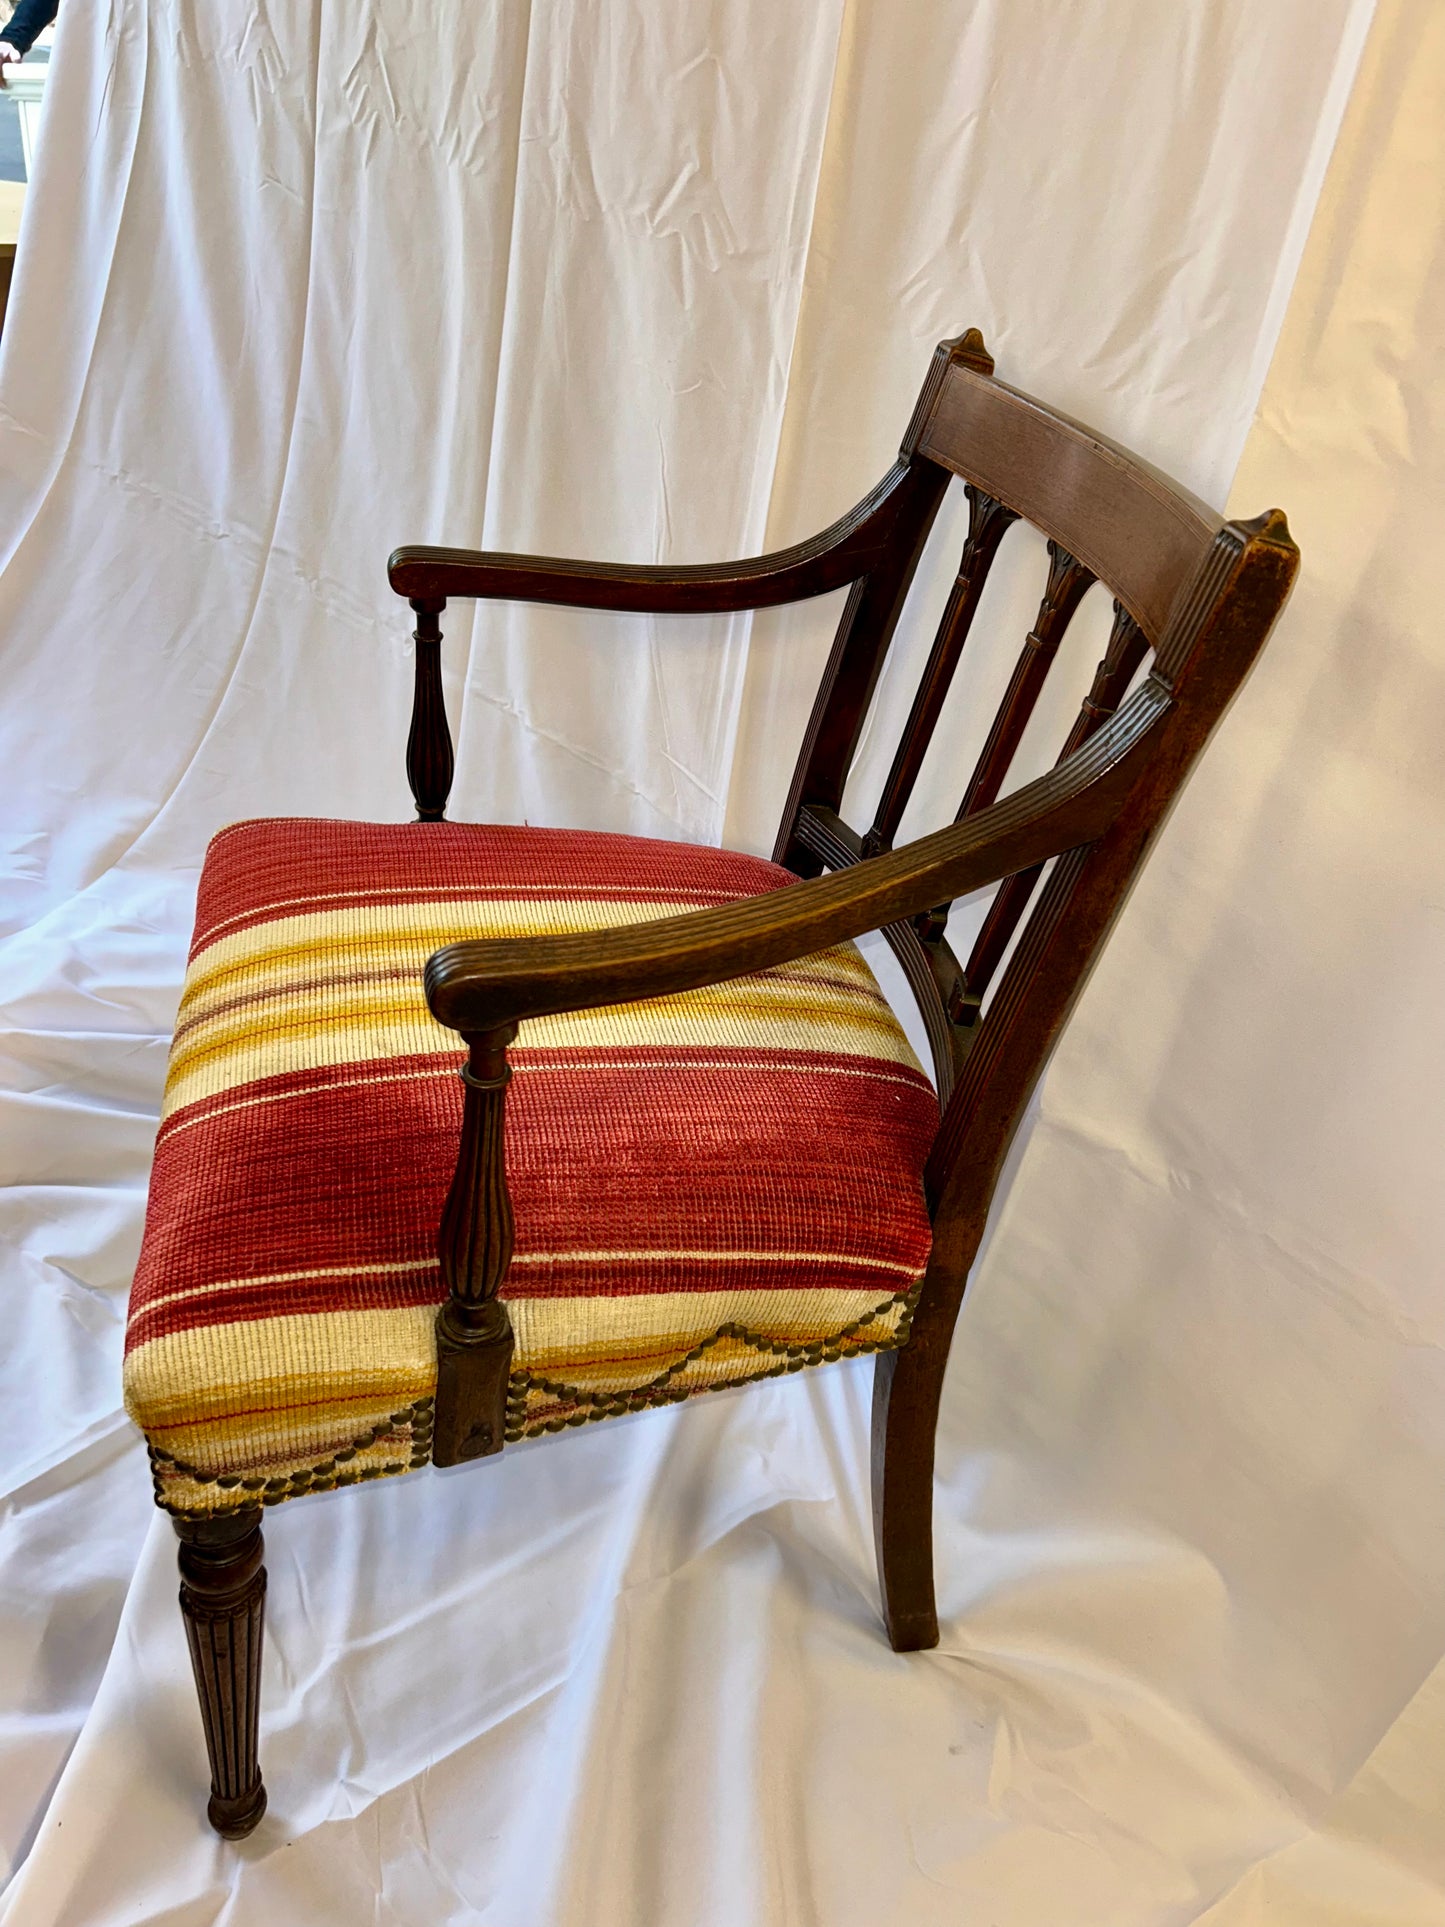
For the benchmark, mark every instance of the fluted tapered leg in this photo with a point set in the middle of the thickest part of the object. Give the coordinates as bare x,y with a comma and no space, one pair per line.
223,1602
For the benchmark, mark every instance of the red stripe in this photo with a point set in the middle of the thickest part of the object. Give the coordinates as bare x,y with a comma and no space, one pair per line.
303,863
598,1157
738,1059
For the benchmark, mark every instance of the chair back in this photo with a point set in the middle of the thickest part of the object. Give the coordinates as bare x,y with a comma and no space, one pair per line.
1194,597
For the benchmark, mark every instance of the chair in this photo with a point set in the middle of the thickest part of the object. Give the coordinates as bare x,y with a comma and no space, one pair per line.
725,1161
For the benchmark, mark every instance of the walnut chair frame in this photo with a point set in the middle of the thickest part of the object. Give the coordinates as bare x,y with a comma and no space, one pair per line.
1199,592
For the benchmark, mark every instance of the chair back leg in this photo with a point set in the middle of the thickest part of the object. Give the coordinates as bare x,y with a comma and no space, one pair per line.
907,1385
223,1602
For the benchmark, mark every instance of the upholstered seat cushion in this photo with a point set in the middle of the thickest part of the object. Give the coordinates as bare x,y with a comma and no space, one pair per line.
707,1188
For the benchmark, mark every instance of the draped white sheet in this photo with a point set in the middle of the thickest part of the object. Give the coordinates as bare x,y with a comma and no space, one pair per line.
298,283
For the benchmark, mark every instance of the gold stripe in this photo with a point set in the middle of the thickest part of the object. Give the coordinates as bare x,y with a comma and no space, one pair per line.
552,1329
468,892
249,1058
254,1366
305,1359
791,1008
427,922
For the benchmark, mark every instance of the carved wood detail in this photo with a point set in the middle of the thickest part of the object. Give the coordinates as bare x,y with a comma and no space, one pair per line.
429,760
1068,580
1126,649
987,522
1205,592
474,1333
223,1603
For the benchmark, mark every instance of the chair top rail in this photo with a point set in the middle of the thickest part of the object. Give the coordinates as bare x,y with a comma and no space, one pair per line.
1137,531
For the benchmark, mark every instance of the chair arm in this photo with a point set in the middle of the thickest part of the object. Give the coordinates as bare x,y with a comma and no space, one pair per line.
839,555
490,985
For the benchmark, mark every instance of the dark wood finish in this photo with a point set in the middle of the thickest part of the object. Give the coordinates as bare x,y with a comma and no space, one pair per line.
1136,530
987,522
1214,636
853,545
474,1333
1202,593
930,966
223,1603
1067,582
1126,649
907,1390
483,985
871,616
429,760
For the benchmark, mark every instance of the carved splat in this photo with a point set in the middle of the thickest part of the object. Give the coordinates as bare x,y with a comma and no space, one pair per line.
1126,649
987,521
1063,593
1068,580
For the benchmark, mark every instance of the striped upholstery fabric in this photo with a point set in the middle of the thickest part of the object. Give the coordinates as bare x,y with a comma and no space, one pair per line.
708,1188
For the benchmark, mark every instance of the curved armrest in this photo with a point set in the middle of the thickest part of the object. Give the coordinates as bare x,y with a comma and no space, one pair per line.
492,984
839,555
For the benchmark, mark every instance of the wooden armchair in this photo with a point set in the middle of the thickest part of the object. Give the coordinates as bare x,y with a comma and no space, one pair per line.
723,1158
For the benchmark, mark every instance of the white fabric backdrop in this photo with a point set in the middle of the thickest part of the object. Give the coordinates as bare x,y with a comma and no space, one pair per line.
296,288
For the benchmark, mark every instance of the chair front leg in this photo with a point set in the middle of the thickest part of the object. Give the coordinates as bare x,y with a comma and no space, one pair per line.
223,1602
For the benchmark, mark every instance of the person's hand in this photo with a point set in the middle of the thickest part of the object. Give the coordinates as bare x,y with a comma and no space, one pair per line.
7,54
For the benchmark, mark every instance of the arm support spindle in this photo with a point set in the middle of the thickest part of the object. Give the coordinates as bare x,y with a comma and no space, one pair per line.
474,1333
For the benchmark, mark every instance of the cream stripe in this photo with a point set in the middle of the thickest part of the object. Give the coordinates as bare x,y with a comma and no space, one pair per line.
661,1253
181,1374
405,1031
388,982
768,1063
283,1278
431,922
389,976
475,892
551,1328
523,1259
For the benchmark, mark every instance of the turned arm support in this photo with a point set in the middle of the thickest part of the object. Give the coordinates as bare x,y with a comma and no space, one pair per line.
839,555
474,1334
478,986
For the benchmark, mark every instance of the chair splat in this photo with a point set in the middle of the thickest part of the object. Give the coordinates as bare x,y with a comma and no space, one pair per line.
987,522
1127,648
1064,592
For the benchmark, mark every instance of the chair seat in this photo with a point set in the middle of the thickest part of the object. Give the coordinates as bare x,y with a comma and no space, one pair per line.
708,1188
